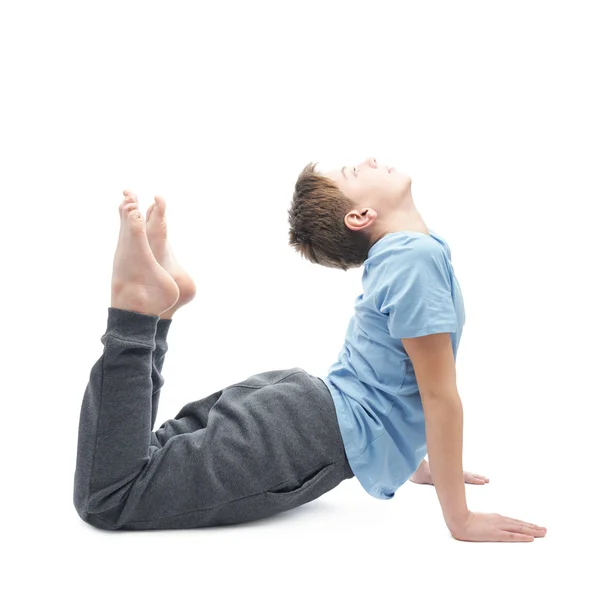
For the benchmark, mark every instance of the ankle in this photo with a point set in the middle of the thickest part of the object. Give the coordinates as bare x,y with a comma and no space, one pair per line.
133,305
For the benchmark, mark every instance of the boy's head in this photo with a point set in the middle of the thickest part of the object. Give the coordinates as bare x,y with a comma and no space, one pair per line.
336,216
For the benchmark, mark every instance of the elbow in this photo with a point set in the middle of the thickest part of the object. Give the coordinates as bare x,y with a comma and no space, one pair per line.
446,399
444,394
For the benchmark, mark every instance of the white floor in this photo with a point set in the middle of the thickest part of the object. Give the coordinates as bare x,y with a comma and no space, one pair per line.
344,544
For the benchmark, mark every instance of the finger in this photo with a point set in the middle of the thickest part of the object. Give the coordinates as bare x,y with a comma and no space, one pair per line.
524,523
509,536
523,528
474,480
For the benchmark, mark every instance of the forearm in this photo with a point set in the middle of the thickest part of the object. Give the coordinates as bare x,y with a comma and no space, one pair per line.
444,435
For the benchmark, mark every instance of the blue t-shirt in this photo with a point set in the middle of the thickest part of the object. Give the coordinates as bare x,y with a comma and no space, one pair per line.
409,290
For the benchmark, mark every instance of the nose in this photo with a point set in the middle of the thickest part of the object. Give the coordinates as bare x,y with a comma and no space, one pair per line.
370,162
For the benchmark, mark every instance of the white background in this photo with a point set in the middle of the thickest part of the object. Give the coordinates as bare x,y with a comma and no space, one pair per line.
492,108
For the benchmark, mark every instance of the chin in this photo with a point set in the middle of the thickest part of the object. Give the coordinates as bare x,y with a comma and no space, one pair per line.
404,180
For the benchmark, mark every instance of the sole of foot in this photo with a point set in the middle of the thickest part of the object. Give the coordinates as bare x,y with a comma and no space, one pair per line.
139,283
156,229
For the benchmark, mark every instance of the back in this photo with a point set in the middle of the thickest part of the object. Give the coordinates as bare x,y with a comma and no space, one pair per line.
409,290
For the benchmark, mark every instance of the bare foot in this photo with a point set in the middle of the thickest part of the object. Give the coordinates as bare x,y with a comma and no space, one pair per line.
139,283
156,228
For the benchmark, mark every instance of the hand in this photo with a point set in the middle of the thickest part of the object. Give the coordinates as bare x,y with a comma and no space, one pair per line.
492,527
423,476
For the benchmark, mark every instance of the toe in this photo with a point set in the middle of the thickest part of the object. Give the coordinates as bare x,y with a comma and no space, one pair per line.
149,211
127,200
127,206
161,205
135,220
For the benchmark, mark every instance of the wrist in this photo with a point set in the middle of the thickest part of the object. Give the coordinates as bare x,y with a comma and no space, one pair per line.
456,519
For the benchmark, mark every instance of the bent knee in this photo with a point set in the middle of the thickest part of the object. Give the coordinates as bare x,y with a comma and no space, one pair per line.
107,520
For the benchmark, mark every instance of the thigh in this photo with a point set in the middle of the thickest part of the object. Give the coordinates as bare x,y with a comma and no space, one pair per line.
192,417
268,444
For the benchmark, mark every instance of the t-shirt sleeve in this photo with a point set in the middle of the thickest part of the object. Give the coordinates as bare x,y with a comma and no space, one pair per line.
417,293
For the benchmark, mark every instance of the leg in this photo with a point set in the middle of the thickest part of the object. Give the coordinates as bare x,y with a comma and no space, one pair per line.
116,415
156,229
117,410
158,359
253,449
263,446
271,442
182,422
116,462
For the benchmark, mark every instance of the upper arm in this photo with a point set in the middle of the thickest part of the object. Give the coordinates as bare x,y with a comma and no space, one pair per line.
416,292
433,361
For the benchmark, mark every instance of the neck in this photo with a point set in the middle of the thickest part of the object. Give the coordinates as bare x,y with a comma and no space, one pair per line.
405,217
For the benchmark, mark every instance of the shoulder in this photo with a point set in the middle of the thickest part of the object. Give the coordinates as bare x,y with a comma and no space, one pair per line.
417,251
411,253
420,265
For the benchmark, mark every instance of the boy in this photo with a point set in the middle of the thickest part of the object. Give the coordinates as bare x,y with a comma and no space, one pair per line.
282,438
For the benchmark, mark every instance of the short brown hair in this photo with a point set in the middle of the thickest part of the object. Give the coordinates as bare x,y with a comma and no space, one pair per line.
317,228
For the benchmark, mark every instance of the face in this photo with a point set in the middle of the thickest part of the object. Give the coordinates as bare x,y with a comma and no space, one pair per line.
376,190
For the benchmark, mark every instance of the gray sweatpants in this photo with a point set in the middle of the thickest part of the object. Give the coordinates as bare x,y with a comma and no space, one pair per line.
262,446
